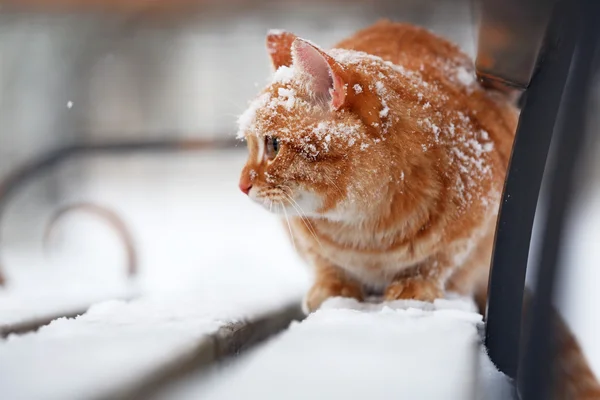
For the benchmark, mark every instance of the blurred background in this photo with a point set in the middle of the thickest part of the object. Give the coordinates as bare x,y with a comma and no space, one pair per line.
96,71
90,72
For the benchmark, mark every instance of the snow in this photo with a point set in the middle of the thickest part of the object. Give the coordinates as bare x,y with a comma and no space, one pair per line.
69,104
357,88
247,118
284,74
290,94
464,76
349,350
202,264
382,92
275,32
116,344
327,130
42,287
22,306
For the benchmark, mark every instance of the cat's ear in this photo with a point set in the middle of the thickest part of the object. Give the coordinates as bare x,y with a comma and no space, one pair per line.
279,46
325,75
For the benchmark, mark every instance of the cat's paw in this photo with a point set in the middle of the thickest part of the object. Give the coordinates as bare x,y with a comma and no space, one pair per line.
321,291
414,289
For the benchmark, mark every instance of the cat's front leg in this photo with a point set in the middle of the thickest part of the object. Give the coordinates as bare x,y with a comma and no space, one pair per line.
415,288
331,281
426,283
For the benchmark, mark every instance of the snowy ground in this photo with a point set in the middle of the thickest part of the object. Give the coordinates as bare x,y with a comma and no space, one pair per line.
348,350
195,233
117,344
208,257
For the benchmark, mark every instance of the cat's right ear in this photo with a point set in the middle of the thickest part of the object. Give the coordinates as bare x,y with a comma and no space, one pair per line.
279,46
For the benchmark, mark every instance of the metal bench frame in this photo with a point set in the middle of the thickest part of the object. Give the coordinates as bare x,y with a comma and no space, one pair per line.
554,109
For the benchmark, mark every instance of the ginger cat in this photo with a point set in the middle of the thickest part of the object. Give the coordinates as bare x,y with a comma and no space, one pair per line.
388,157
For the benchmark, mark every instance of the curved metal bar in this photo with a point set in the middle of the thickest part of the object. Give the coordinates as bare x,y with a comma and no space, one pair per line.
46,162
521,191
535,373
111,217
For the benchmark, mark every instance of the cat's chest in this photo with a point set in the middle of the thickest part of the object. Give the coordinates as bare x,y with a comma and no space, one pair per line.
362,255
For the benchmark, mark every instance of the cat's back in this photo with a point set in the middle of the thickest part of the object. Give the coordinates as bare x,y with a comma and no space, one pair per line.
449,72
413,47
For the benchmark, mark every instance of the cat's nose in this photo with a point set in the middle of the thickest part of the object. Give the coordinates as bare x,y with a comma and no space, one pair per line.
245,186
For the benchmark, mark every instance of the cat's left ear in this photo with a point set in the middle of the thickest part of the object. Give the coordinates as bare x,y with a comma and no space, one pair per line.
326,76
279,46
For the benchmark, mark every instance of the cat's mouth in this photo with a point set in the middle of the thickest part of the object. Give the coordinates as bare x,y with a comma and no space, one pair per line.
277,200
283,201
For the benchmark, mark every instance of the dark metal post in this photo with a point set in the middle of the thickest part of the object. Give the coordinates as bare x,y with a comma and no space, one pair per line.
523,182
535,373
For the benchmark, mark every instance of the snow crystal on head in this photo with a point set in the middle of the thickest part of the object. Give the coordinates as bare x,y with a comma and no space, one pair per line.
286,97
284,74
290,95
246,120
276,32
325,131
382,92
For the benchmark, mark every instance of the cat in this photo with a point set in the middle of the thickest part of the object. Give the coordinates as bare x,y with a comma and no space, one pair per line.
387,156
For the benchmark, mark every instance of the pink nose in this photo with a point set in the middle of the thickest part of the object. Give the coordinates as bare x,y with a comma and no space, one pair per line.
245,187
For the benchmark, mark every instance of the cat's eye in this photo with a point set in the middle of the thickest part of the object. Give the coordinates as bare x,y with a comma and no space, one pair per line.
272,147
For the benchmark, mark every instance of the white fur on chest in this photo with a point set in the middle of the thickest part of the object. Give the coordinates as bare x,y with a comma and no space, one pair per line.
375,268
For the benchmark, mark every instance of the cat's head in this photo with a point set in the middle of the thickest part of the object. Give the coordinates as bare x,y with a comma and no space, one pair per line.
304,139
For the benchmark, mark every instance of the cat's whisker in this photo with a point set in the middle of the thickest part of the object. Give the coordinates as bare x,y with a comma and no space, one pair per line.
299,209
335,185
289,225
304,218
291,198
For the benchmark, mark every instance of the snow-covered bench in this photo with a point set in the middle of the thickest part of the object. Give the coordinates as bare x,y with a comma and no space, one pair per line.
348,350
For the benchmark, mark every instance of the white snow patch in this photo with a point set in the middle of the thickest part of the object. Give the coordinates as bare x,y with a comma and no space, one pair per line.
290,95
284,74
464,76
382,92
352,350
275,32
248,117
325,131
116,344
195,270
357,88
